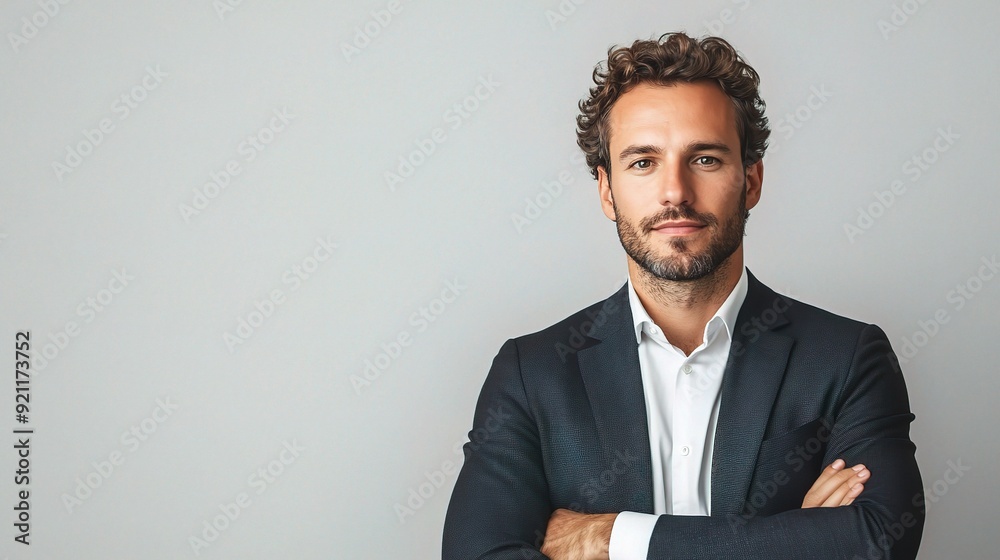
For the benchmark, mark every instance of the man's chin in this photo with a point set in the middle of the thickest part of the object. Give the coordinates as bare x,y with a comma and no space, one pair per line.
676,270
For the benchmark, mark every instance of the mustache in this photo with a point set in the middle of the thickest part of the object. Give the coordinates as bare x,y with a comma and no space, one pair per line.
675,213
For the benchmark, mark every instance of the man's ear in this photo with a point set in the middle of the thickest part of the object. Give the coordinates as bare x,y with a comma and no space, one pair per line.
755,179
604,190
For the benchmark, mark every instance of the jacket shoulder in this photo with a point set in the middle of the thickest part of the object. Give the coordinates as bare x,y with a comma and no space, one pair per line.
820,336
809,320
577,331
795,317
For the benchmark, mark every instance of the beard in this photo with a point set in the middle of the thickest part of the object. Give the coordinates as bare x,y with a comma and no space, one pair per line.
684,264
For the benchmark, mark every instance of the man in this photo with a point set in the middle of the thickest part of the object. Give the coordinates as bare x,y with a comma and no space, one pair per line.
690,414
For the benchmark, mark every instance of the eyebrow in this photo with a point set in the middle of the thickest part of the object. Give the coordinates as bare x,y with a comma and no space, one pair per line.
635,150
709,147
696,146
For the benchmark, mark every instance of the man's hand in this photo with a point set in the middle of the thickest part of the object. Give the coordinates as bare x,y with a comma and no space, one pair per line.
578,536
837,486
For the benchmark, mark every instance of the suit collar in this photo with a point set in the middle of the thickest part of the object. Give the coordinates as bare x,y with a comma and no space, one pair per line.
613,382
727,312
754,371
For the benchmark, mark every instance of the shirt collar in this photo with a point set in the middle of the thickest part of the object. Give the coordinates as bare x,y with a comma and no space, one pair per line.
726,313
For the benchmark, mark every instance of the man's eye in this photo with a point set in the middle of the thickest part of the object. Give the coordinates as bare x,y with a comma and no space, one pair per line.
642,164
706,160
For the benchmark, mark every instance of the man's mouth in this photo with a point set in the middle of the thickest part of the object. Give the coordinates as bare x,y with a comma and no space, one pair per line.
681,227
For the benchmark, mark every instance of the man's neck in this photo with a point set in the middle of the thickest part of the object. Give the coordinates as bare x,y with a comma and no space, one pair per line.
682,308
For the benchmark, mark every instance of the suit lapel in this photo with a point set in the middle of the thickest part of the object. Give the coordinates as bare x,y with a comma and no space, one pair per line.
754,372
613,381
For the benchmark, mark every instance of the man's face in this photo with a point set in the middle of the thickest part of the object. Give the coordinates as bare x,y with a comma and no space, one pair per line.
677,189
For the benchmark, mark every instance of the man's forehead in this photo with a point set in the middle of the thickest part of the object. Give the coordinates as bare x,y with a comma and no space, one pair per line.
683,106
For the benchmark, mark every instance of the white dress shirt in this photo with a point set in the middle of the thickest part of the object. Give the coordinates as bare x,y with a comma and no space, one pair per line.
682,408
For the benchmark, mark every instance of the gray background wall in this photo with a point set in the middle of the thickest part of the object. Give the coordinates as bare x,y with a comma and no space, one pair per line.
854,93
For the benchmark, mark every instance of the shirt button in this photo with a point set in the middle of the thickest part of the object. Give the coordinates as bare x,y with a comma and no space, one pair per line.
654,330
685,451
686,368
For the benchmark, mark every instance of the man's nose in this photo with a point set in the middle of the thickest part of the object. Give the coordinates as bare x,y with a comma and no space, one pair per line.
674,184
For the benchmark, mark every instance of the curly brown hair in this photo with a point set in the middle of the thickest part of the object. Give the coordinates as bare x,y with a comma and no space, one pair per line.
674,57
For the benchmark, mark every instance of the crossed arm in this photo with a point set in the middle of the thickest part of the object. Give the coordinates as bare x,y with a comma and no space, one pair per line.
501,507
580,536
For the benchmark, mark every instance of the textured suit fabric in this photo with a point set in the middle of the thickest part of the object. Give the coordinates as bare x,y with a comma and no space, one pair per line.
561,423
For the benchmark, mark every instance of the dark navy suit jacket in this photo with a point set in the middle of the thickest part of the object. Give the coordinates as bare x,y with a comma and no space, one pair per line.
561,423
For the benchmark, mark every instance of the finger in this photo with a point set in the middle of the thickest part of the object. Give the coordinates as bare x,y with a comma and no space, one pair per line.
835,498
853,474
813,498
857,488
841,493
830,471
854,493
821,491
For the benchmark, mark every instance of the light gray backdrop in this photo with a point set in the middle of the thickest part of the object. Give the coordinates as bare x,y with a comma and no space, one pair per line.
215,215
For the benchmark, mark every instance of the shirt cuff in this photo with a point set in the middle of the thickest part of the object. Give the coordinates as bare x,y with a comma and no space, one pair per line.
630,535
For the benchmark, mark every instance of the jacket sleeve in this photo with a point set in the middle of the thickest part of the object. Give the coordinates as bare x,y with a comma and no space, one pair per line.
500,507
871,426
